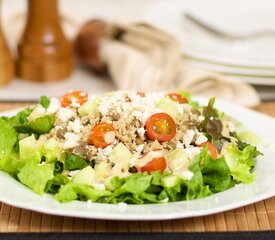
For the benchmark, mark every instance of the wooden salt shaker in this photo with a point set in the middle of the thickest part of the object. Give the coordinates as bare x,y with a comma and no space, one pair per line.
6,61
44,54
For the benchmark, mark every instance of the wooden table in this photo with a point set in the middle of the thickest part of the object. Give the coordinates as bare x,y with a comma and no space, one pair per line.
254,217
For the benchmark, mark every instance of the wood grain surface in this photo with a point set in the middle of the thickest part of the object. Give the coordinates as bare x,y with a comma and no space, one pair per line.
254,217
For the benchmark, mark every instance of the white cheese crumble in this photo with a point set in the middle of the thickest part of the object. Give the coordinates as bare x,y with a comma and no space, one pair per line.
200,139
141,131
75,126
73,173
201,118
179,145
188,137
71,140
74,102
107,151
65,114
192,152
99,186
231,127
187,175
54,105
140,148
122,206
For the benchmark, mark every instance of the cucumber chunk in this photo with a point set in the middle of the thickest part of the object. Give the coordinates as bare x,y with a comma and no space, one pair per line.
169,107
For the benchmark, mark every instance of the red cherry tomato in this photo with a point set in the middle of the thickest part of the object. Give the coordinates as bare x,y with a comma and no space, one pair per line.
212,149
103,134
161,127
70,98
157,164
177,97
142,94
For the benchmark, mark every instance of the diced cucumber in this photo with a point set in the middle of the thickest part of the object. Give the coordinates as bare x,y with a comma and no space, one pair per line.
28,150
169,107
120,153
177,161
38,111
88,107
171,181
102,170
84,176
249,137
52,150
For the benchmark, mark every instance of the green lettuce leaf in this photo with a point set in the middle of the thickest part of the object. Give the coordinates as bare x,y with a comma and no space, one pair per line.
74,162
43,124
44,101
196,188
55,183
241,162
36,176
216,174
9,157
74,191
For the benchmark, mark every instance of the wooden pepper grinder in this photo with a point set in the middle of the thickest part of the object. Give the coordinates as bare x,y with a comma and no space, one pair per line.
6,61
44,54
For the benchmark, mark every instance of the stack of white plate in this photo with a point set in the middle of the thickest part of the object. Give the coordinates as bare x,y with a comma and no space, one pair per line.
240,43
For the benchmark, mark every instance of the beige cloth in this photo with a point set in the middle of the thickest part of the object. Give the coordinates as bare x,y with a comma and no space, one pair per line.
141,57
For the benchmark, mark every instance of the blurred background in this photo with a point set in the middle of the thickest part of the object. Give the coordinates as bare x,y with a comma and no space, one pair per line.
231,38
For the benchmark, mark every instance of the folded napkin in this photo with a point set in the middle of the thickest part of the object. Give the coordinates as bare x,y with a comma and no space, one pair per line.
142,57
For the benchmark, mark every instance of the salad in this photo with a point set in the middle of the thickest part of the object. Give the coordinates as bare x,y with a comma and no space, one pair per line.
126,147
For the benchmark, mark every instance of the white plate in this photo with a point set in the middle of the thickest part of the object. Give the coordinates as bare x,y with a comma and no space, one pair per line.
242,16
14,193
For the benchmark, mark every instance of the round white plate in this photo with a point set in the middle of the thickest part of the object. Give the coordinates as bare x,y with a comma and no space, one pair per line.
14,193
238,17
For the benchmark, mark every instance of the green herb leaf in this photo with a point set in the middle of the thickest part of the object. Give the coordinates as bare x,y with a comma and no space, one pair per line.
74,162
44,101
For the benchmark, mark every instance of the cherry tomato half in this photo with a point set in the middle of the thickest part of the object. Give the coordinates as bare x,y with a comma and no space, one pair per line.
177,97
75,97
157,164
161,127
103,134
142,94
211,148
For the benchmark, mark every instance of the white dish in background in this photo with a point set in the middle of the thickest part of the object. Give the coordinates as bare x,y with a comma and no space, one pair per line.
238,17
15,194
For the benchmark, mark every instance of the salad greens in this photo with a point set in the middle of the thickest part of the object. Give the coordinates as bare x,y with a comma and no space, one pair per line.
39,166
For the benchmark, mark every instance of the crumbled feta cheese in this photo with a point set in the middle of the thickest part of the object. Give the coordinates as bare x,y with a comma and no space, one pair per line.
179,145
89,203
106,151
231,127
73,173
140,148
109,137
141,131
54,106
75,126
74,102
65,114
187,175
188,137
201,118
165,200
200,139
192,152
99,186
137,114
38,111
71,140
122,206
